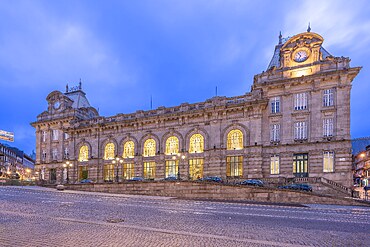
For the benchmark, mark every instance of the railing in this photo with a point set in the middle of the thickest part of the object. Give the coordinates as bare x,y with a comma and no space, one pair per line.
337,186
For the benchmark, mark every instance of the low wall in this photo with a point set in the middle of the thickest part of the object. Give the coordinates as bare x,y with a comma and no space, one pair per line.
214,191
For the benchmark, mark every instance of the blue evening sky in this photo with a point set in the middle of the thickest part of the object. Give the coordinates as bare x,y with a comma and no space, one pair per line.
176,51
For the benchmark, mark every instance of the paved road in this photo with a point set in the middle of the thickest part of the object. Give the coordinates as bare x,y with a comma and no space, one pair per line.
41,217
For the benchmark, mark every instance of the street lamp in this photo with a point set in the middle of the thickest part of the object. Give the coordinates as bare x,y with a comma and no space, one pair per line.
117,161
66,166
182,156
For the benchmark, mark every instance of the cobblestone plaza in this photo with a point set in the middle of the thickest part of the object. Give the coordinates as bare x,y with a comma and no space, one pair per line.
45,217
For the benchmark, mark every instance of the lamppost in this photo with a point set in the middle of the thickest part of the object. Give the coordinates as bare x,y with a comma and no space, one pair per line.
117,161
66,166
182,156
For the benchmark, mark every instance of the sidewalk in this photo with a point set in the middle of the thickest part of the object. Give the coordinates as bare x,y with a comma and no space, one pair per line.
38,188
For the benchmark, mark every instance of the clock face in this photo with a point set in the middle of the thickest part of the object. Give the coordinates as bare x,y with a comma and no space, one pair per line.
300,56
56,105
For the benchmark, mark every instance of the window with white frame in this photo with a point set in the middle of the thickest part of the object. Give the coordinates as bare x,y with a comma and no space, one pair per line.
328,127
44,136
66,153
300,130
275,164
328,161
300,101
43,157
55,135
275,133
328,98
55,154
275,105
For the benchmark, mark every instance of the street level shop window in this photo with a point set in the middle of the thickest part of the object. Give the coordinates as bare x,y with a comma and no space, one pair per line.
234,166
149,170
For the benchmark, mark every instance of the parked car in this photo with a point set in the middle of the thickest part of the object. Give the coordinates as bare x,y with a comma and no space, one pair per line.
303,187
253,182
212,179
136,179
86,181
14,176
170,178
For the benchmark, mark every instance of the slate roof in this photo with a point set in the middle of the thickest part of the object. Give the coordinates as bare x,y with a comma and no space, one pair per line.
79,99
359,144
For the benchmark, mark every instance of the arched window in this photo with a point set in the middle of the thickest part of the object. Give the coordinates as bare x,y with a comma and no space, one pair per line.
109,151
172,145
196,144
83,155
128,149
149,148
235,140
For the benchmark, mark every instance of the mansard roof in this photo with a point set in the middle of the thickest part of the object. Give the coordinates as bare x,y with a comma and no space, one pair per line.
77,96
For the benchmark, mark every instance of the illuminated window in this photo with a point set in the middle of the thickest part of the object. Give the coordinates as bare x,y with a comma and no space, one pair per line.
128,171
109,151
129,149
328,161
234,166
83,172
84,153
196,144
172,145
328,127
328,98
300,101
235,140
275,105
149,170
274,164
149,148
108,173
275,133
171,168
196,168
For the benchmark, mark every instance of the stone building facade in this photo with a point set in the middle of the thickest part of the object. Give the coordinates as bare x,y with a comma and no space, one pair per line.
295,122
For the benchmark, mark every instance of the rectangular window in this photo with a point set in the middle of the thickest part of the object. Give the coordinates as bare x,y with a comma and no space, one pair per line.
275,105
275,133
196,168
171,168
43,157
44,136
128,171
66,136
83,172
300,131
328,98
328,161
66,153
300,101
149,170
275,164
300,165
55,135
234,166
108,173
55,154
328,127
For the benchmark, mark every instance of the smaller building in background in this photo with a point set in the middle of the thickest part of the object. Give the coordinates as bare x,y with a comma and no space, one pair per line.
361,167
14,163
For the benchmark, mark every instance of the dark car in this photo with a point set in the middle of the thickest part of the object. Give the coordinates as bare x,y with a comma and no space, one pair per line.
171,178
303,187
86,181
253,182
136,179
14,176
212,179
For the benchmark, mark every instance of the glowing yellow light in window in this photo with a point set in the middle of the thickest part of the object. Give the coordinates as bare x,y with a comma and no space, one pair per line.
109,151
149,148
172,145
196,144
235,140
83,154
129,149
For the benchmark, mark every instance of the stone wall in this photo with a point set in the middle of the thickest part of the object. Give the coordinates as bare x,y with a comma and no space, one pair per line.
212,191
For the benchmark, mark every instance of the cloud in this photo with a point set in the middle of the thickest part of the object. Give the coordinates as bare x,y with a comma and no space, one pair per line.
344,23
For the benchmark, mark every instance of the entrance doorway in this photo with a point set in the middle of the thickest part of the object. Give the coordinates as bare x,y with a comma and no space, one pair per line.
300,165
